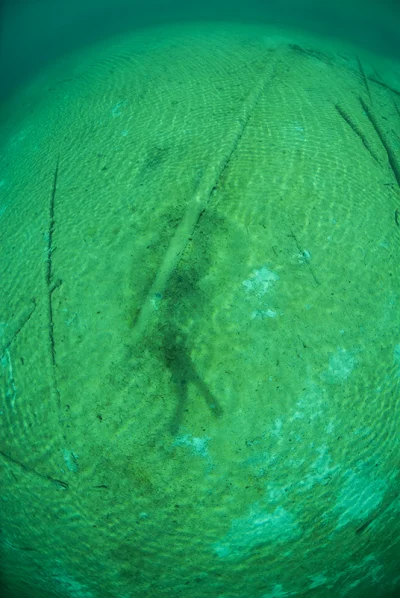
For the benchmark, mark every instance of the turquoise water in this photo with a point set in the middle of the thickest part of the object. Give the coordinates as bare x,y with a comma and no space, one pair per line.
36,32
200,300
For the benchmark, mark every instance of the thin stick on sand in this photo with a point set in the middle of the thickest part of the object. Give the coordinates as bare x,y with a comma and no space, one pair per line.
198,204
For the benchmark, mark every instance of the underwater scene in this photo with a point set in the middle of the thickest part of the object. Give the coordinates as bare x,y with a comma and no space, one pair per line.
199,299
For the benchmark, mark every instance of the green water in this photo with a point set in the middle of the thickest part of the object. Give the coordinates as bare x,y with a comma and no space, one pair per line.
199,307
